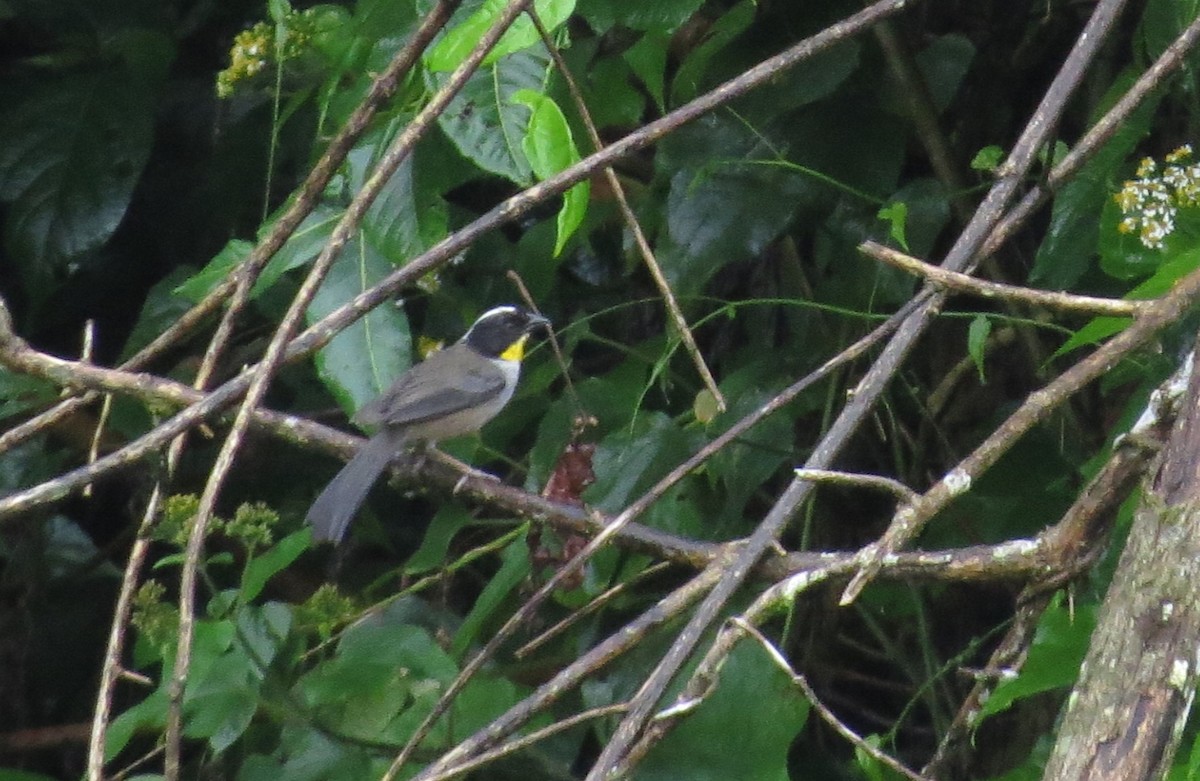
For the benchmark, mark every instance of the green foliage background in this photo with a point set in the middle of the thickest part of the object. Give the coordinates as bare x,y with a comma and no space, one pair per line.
128,189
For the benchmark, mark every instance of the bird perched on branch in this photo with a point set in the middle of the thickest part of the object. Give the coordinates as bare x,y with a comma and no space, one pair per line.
452,392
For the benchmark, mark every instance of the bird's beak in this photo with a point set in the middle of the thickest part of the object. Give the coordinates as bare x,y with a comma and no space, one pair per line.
537,321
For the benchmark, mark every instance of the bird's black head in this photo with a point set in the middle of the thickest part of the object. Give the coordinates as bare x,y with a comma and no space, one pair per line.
501,332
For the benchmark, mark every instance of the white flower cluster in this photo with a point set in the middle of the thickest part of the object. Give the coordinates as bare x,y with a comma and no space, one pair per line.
1151,201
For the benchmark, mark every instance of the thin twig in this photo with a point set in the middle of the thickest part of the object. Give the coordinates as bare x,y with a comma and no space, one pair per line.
827,715
875,482
275,353
519,283
631,221
954,280
961,256
911,518
532,738
592,606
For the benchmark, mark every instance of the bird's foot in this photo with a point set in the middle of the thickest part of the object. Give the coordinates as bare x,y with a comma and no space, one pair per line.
466,469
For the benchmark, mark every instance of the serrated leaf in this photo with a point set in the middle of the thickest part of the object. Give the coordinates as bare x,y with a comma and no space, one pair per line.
484,123
550,148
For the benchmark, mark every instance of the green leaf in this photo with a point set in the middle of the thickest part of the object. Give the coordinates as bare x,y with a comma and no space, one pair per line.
1163,21
648,60
977,334
1167,275
223,263
70,156
219,705
1059,645
484,123
514,568
457,43
926,213
149,714
628,462
661,17
450,519
365,358
409,215
550,148
262,568
20,393
263,630
162,307
1071,241
944,63
742,730
22,775
691,72
895,214
988,158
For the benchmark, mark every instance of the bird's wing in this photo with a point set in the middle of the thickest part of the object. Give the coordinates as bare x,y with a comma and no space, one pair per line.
422,393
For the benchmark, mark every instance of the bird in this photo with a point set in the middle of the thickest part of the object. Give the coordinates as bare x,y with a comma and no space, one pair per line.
454,391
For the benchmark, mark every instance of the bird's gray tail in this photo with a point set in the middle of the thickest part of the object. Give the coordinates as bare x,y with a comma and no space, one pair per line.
331,513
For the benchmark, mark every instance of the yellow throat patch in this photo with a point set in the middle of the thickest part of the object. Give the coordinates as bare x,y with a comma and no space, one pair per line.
516,350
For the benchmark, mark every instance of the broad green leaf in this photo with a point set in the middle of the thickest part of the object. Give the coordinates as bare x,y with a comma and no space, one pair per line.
162,307
648,60
220,704
449,52
409,216
450,519
944,63
693,69
977,334
1069,247
223,263
70,156
514,568
484,123
1102,327
742,730
926,214
661,17
1059,645
275,559
262,630
20,393
382,681
365,358
1163,21
149,714
550,148
628,462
